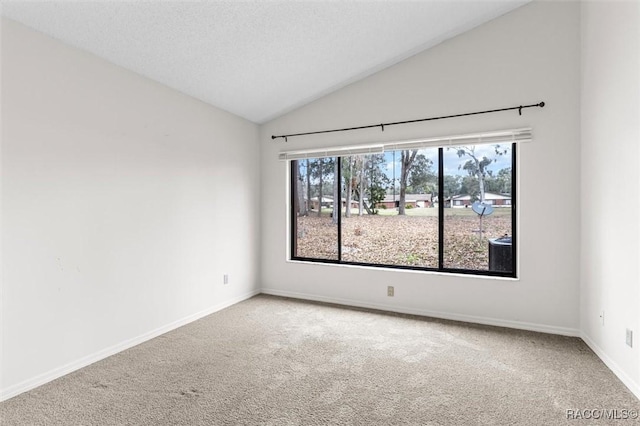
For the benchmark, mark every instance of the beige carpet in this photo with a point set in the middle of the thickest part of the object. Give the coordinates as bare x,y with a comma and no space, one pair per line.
276,361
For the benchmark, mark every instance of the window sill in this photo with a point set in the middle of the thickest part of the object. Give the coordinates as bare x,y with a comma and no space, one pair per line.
403,270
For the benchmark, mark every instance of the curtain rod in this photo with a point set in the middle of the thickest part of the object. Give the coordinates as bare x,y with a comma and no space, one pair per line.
382,125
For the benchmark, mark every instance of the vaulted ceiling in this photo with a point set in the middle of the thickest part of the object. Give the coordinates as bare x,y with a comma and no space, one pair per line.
256,59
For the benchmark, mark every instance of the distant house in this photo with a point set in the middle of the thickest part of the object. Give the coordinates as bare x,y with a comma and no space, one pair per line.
413,200
327,202
465,200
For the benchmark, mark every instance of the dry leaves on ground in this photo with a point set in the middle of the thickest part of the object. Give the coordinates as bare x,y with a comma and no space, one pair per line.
401,240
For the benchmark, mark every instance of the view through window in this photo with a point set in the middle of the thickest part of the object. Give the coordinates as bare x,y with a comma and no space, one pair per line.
446,209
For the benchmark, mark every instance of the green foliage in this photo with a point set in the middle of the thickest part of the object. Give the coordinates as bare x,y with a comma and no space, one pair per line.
376,195
452,185
422,178
377,180
470,186
408,206
499,183
476,167
479,178
504,180
349,175
321,172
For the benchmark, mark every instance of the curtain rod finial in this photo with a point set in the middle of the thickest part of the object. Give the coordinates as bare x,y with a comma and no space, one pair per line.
541,104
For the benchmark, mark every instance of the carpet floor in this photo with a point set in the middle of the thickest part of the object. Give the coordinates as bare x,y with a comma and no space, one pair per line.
277,361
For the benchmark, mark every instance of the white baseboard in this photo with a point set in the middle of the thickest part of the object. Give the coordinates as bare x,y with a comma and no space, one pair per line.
41,379
542,328
613,366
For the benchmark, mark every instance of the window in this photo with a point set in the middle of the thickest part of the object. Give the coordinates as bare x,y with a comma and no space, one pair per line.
446,209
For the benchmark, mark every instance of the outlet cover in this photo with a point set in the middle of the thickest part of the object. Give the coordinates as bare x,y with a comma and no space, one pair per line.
629,338
390,291
226,279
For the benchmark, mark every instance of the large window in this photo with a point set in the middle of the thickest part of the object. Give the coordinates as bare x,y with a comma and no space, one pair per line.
449,209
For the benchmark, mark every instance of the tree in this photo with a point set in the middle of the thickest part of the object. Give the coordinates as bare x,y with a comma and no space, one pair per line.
406,161
477,166
301,189
422,178
452,185
349,182
504,181
308,175
302,206
321,171
469,185
371,182
295,184
360,167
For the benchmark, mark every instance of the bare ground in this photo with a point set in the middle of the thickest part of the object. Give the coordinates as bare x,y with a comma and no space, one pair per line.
402,240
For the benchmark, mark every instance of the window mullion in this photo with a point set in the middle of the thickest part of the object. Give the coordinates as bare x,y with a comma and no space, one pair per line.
292,210
514,201
339,203
440,209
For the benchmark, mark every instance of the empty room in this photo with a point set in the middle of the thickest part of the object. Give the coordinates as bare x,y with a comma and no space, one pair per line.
320,212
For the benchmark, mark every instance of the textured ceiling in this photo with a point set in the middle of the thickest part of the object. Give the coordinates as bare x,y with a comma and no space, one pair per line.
256,59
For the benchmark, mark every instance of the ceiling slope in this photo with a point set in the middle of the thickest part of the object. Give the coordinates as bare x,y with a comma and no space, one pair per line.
256,59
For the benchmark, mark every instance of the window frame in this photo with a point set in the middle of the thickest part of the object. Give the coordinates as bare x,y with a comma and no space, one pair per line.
441,225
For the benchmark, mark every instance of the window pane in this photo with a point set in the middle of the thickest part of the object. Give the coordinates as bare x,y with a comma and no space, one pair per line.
314,189
377,226
482,174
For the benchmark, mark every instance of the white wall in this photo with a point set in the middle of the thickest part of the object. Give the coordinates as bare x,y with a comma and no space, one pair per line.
611,183
526,56
123,204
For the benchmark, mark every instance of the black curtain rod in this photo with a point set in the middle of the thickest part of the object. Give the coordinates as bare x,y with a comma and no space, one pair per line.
382,125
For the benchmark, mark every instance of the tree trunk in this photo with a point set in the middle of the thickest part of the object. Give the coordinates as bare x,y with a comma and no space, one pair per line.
295,191
481,184
349,188
362,185
407,158
307,198
320,170
300,194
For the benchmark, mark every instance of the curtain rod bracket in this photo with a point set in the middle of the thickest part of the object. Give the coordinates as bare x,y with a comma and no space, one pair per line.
520,110
382,126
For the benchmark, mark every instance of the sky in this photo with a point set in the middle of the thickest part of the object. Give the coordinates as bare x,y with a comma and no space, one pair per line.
451,160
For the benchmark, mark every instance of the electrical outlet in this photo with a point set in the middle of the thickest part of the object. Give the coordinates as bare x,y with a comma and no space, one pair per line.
390,290
602,317
225,279
629,338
